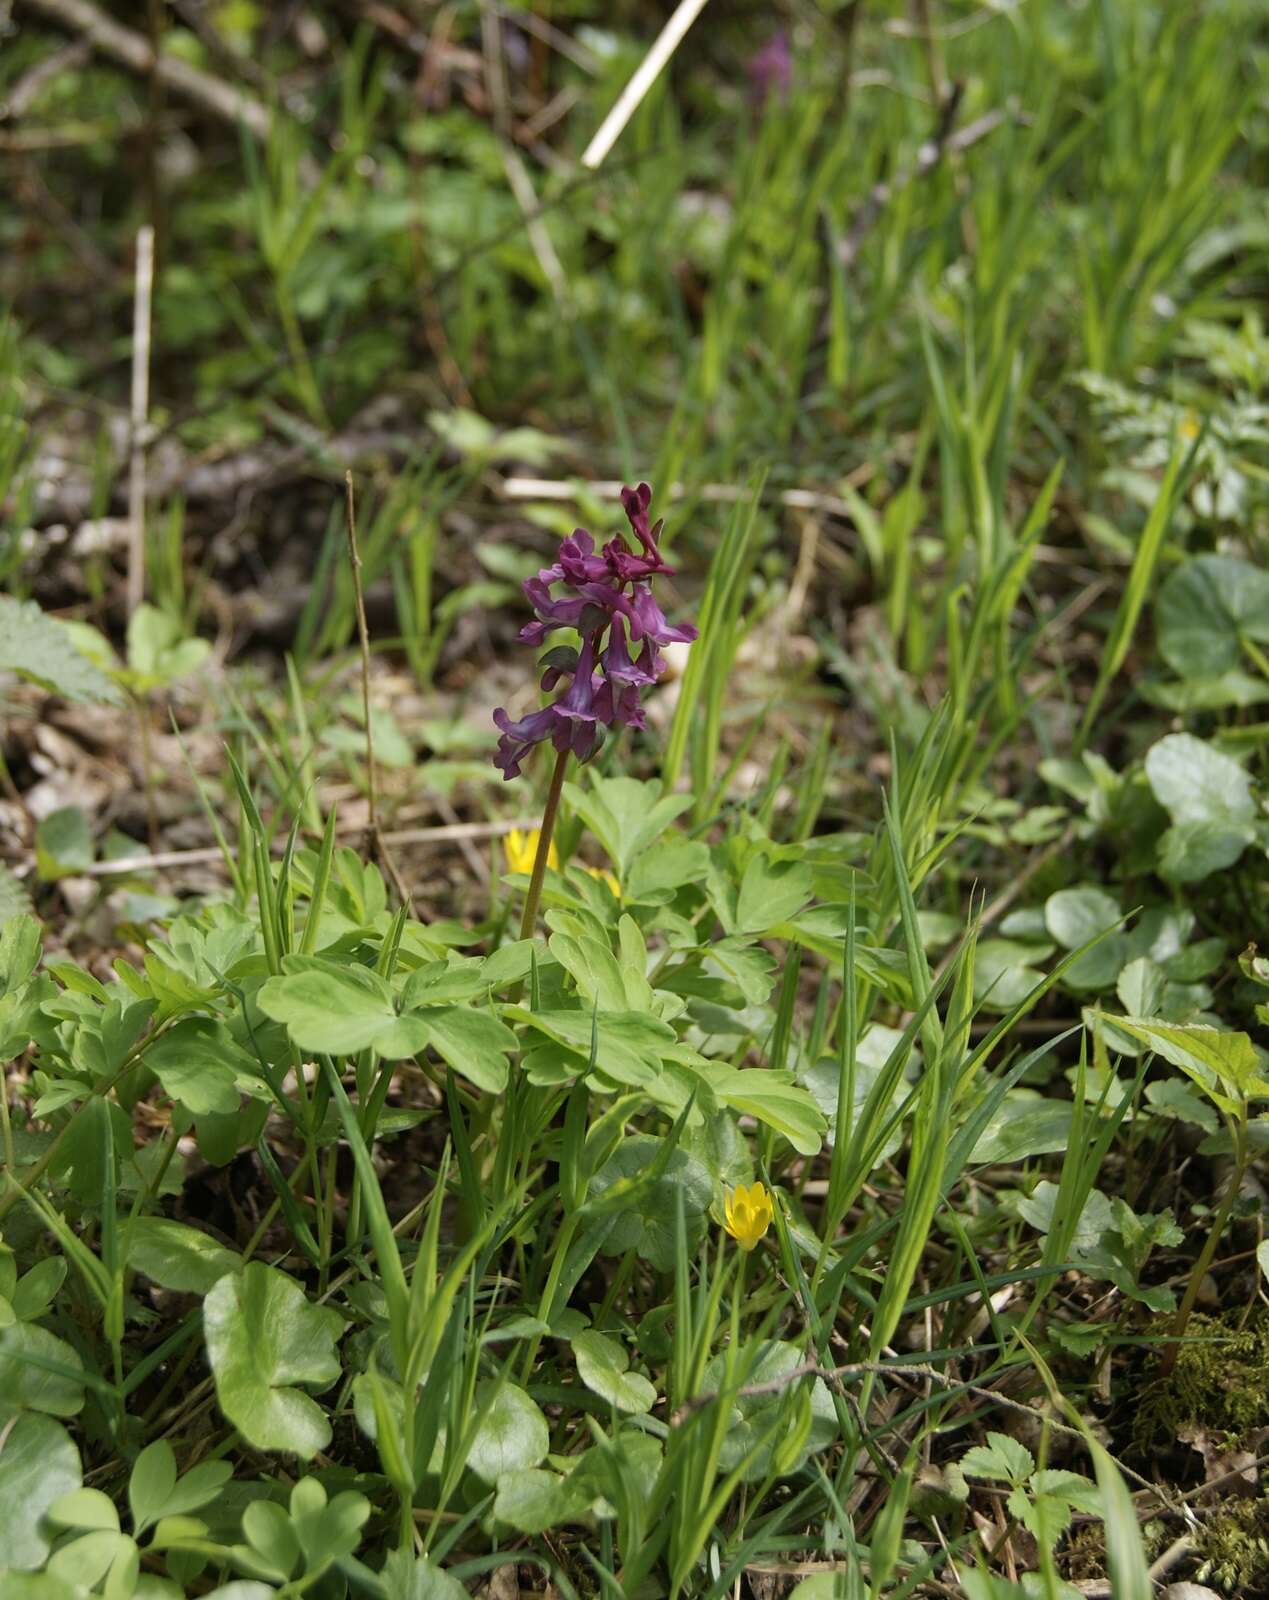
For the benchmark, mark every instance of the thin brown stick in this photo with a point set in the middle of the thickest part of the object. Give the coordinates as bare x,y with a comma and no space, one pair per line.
132,50
363,636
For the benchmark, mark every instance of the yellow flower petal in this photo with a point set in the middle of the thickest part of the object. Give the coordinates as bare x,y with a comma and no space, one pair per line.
748,1213
521,850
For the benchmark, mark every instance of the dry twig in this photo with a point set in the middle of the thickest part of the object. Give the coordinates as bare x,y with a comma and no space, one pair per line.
132,50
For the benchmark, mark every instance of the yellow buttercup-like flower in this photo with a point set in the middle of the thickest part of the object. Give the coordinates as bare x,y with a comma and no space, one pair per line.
522,848
748,1213
604,876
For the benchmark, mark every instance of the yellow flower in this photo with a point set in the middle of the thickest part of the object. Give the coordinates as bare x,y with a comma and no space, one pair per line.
1189,428
610,878
522,849
748,1213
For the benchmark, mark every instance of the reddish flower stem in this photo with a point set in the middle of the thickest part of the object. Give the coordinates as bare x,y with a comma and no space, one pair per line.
530,917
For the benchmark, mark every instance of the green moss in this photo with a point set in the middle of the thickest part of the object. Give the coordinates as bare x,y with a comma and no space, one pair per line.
1233,1548
1220,1383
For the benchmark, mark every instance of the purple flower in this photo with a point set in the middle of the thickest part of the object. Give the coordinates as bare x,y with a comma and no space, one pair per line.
607,597
770,68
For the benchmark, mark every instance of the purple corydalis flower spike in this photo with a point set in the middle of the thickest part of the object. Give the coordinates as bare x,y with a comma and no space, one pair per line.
607,597
770,68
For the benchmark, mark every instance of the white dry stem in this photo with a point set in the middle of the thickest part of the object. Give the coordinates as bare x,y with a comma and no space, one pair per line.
139,413
645,75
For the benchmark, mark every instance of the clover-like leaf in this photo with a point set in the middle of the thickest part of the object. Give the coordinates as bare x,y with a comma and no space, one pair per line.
263,1339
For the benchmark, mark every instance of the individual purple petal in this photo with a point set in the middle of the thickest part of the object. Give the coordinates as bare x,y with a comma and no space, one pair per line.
616,661
647,620
579,702
518,738
623,706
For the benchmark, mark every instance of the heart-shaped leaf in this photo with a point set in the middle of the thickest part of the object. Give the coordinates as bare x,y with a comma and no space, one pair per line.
602,1366
264,1338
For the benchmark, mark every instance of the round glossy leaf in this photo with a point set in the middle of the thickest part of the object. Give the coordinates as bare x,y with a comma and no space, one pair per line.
1073,916
1203,607
51,1385
754,1416
38,1465
602,1364
263,1338
512,1434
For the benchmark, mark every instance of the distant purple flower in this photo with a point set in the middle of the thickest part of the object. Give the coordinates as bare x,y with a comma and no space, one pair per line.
607,682
770,68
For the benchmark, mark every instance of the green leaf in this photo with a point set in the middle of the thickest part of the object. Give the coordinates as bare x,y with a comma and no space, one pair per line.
512,1433
1208,797
197,1062
38,1372
177,1256
1205,608
85,1508
1004,974
533,1500
646,1221
625,816
15,902
602,1366
327,1531
631,1045
1039,1206
41,649
471,1041
1025,1126
1002,1459
771,893
263,1338
1141,987
1215,1060
269,1531
417,1579
656,874
63,844
327,1007
152,1480
1073,916
158,650
35,1290
789,1109
754,1415
38,1465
